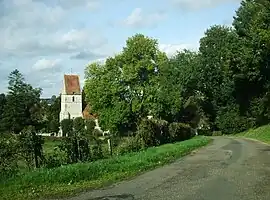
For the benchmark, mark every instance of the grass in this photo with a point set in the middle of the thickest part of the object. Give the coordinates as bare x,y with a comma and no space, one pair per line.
262,134
69,179
50,144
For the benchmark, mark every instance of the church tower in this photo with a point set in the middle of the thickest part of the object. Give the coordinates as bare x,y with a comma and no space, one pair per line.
71,98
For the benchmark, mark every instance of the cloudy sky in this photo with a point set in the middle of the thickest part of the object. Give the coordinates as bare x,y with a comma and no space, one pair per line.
46,38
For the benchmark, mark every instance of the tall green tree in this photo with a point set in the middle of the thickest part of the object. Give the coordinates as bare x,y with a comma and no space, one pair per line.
221,68
252,25
121,91
177,83
22,102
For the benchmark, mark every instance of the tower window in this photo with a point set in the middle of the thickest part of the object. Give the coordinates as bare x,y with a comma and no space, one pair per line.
73,99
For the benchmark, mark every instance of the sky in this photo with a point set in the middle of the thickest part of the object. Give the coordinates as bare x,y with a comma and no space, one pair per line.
45,39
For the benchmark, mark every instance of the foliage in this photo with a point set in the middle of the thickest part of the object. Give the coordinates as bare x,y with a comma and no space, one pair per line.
54,159
67,127
180,131
122,90
153,132
52,114
90,125
262,134
217,133
25,99
130,144
30,145
8,156
66,179
79,125
229,120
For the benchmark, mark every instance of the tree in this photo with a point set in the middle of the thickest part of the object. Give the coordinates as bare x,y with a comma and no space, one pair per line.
222,69
252,25
21,106
52,114
2,108
31,147
121,91
67,127
177,83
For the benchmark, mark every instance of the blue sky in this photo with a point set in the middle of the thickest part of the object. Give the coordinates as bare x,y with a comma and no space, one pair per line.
45,39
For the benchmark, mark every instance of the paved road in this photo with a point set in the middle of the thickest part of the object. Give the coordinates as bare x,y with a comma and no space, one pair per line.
228,169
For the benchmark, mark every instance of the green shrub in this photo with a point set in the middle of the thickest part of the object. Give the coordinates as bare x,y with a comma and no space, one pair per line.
8,155
129,144
67,126
97,133
79,124
180,132
31,147
90,125
217,133
55,159
204,132
153,132
96,151
229,121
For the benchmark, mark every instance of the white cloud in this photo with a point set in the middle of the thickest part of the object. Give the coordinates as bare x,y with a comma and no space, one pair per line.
38,37
199,4
139,19
44,64
172,49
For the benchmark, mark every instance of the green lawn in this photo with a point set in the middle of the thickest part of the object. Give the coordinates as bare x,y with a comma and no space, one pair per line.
262,134
69,179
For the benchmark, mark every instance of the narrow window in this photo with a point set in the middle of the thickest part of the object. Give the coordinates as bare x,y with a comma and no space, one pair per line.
73,99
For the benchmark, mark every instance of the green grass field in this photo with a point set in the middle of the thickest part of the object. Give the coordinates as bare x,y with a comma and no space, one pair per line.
67,180
262,134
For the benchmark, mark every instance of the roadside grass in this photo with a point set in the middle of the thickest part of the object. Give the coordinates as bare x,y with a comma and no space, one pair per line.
70,179
262,134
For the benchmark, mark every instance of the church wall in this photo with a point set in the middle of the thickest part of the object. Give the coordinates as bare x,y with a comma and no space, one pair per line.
71,104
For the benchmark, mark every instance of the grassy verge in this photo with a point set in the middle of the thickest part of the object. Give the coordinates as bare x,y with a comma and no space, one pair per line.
262,134
67,180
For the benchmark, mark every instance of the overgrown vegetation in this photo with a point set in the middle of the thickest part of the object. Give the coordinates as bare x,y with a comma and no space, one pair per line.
262,134
81,176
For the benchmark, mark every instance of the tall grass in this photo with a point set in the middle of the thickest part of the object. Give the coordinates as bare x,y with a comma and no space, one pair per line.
70,178
262,133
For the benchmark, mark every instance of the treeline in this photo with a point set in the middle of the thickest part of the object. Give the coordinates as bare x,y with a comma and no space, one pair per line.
223,87
22,106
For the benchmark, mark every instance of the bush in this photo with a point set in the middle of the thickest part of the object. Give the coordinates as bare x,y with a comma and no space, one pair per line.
8,155
130,144
153,132
97,133
180,132
31,147
55,159
90,125
229,121
204,132
79,125
67,126
217,133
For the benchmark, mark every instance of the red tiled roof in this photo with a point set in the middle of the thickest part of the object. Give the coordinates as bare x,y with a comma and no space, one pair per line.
72,84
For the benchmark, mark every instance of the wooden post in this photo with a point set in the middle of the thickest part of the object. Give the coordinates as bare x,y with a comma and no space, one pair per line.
110,146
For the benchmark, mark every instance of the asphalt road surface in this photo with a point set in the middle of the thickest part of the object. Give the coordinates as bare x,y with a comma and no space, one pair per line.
227,169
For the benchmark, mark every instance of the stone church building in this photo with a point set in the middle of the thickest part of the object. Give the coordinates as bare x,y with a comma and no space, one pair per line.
72,101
